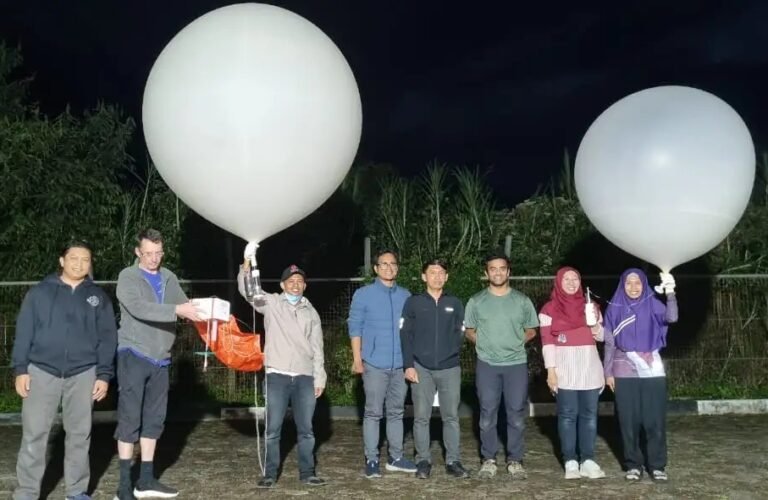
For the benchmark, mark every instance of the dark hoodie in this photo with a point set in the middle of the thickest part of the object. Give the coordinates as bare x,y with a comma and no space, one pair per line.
65,331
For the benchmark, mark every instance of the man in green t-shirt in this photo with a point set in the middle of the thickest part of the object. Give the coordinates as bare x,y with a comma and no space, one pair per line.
499,321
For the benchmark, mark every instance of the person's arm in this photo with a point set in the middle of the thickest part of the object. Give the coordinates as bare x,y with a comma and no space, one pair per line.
146,310
459,323
318,356
609,351
532,321
107,340
355,322
406,334
470,322
25,333
548,349
259,304
598,331
671,312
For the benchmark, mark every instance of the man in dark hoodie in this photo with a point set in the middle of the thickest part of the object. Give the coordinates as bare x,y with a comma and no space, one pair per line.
431,333
64,354
150,301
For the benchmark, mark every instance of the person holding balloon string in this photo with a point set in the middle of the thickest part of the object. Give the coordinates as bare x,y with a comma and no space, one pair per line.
636,325
570,328
295,368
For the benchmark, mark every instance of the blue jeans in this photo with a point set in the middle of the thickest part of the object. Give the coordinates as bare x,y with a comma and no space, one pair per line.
383,388
512,382
300,392
577,421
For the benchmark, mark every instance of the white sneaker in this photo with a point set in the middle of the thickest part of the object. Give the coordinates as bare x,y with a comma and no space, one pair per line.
572,470
488,469
591,470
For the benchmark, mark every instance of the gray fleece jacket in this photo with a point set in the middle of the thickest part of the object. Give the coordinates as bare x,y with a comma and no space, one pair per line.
147,326
293,340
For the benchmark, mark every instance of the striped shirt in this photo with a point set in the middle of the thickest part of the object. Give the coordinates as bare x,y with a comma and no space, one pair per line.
573,354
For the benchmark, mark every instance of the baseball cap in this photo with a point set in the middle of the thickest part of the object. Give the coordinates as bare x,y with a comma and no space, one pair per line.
290,271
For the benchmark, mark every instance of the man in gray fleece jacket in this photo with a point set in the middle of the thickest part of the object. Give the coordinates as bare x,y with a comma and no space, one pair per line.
150,301
294,365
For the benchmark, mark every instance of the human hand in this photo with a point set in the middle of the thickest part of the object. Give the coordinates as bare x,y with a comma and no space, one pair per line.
23,385
188,311
552,380
411,375
357,366
100,388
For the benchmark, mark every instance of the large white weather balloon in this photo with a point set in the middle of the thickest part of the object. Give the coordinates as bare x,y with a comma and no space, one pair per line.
666,173
253,117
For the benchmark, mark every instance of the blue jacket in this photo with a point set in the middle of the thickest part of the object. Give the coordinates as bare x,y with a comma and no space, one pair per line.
375,316
65,332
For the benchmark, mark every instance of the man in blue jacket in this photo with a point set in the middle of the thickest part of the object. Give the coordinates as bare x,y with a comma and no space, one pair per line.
374,326
64,354
432,334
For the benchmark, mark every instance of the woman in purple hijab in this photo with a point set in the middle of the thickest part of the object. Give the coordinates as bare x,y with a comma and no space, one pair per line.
636,323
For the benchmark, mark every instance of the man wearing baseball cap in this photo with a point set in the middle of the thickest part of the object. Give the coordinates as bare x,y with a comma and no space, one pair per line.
294,365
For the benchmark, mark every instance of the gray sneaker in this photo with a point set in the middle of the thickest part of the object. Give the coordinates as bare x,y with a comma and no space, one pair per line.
488,469
516,470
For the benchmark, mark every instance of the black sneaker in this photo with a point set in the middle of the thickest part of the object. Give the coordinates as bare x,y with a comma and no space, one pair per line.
456,470
314,481
266,482
124,493
154,489
423,469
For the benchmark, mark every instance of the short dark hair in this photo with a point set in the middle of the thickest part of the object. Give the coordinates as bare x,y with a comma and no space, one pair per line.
435,262
384,251
149,234
496,256
74,243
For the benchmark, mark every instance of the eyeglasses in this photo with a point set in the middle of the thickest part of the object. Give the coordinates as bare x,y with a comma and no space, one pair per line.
388,265
152,254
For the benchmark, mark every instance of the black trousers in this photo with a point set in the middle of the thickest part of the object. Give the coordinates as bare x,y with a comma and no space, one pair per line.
641,405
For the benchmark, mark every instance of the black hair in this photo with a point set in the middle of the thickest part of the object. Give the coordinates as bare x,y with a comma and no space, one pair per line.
496,256
435,262
384,251
75,244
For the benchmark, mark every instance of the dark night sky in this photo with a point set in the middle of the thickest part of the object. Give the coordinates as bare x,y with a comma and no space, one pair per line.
496,84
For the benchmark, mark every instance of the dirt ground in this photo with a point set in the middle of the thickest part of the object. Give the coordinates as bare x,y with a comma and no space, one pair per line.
710,457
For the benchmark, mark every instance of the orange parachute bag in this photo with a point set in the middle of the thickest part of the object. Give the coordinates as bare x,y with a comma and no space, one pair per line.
236,349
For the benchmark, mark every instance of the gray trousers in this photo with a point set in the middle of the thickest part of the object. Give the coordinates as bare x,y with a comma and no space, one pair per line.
38,412
448,385
383,388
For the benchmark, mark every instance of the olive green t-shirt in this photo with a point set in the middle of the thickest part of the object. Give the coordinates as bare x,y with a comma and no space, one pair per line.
500,323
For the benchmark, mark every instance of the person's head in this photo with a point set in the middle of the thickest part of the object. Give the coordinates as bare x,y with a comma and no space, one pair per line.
634,284
435,273
293,281
149,249
497,269
385,265
75,260
569,280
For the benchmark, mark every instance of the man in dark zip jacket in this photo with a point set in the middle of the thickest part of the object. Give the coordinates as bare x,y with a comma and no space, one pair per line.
63,352
431,334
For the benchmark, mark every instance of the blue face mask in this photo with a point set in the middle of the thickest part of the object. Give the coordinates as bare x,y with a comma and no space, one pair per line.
293,299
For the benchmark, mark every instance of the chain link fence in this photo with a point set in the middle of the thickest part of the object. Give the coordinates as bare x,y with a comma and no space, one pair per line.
719,348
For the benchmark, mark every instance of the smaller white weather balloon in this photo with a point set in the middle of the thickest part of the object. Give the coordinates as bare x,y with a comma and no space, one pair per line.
666,173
